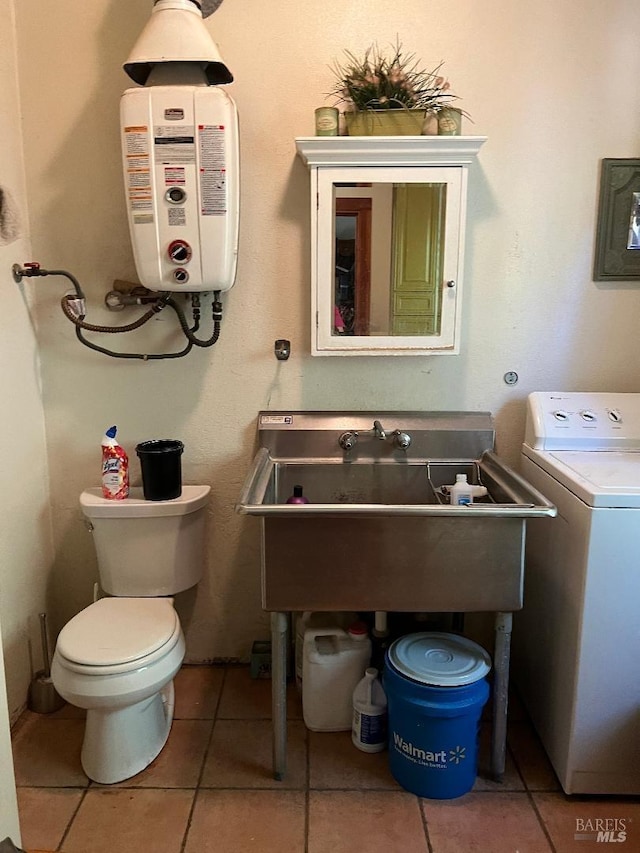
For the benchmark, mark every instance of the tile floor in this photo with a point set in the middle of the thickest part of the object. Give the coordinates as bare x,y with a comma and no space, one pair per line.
211,790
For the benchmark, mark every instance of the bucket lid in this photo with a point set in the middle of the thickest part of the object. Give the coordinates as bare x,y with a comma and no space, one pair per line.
444,660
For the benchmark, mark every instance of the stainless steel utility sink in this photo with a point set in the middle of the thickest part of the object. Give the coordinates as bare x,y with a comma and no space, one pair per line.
379,532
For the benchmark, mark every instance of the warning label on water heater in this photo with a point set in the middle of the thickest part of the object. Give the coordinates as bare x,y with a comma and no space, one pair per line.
213,173
136,150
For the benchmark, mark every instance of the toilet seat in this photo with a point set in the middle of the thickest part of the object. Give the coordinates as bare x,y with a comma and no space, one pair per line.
116,635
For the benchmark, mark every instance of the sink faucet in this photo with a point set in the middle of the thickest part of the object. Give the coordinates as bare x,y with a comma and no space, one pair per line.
378,430
349,439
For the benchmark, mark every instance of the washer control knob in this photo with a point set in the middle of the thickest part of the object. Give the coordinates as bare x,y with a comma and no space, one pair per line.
561,415
588,415
179,252
615,416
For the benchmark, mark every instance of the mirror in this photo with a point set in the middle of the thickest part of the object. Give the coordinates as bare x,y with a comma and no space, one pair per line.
388,254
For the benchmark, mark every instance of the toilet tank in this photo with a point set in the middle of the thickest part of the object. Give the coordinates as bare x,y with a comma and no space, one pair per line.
148,548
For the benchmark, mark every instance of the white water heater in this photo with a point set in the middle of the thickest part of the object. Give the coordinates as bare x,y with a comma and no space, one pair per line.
180,155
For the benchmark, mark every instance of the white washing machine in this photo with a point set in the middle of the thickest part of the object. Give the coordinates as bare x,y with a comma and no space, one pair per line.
576,642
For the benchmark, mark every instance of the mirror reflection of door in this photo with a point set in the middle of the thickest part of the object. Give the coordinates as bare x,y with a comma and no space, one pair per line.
418,249
389,254
352,266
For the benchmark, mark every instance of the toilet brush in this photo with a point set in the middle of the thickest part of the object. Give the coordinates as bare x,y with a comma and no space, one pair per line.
43,697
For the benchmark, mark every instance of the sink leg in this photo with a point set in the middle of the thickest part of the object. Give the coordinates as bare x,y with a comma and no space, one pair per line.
502,652
279,693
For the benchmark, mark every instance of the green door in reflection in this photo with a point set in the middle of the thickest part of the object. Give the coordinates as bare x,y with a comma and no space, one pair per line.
418,257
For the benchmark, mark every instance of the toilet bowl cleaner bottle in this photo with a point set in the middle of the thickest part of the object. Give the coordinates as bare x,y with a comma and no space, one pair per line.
369,728
115,468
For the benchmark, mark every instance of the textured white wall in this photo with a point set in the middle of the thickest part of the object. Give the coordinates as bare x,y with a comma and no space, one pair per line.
26,551
25,524
554,90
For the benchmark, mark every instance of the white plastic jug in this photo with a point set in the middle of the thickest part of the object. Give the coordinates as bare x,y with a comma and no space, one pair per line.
316,620
333,663
369,728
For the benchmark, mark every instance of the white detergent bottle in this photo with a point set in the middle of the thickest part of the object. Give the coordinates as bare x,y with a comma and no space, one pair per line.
461,493
369,728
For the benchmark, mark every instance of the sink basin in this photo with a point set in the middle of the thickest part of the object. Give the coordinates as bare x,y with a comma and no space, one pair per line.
379,532
386,488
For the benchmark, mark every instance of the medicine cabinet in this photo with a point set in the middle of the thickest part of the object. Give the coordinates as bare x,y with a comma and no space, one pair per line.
387,242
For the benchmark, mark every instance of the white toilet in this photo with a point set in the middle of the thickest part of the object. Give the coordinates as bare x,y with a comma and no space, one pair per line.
117,657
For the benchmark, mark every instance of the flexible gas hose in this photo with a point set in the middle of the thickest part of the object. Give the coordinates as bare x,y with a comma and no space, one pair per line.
78,319
73,307
216,309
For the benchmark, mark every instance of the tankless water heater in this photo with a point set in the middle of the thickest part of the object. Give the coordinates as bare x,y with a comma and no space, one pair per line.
180,155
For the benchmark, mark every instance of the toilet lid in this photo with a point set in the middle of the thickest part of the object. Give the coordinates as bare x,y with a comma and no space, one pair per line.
118,630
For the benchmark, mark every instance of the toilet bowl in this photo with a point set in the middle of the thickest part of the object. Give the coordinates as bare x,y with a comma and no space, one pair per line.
117,659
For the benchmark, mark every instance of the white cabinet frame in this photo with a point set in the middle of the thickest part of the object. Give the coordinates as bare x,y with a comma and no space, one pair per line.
414,159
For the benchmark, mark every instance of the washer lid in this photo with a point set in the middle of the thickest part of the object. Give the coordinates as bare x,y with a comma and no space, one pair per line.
443,660
118,630
601,478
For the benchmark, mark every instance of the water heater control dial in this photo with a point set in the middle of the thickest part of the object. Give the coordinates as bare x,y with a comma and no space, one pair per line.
181,276
179,252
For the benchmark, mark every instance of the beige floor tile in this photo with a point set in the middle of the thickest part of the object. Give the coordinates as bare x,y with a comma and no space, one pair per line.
45,814
532,761
566,817
483,822
511,781
180,762
128,820
348,821
47,752
197,691
247,822
334,762
68,712
240,756
246,698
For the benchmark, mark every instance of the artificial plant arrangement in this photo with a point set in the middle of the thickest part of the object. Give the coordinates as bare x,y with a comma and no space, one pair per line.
394,82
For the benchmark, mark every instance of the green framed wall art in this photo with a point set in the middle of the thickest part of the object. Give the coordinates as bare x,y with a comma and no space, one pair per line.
617,255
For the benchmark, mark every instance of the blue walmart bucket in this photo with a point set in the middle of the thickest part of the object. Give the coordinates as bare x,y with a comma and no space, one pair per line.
436,690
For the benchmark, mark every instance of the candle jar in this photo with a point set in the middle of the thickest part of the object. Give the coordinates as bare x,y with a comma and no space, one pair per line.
449,122
326,121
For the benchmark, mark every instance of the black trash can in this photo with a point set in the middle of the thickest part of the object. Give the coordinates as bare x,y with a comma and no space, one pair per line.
161,468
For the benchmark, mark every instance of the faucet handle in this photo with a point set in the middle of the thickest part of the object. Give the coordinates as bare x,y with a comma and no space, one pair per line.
348,440
401,439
